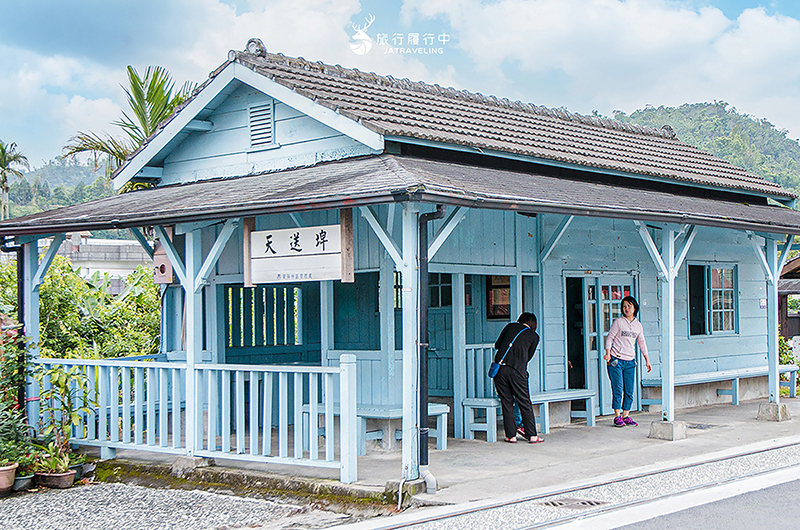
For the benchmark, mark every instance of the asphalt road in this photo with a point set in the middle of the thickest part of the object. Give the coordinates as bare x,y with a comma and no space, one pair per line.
773,507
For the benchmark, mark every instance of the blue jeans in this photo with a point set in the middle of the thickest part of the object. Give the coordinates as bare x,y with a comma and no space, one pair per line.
622,375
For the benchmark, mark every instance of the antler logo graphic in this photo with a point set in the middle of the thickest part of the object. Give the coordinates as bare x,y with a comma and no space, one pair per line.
362,42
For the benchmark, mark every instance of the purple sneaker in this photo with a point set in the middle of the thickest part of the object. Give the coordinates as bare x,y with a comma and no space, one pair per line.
629,421
618,422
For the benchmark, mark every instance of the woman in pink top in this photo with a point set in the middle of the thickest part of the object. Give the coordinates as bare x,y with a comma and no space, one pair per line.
625,333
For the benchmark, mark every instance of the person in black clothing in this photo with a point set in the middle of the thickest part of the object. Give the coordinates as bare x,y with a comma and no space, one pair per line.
511,381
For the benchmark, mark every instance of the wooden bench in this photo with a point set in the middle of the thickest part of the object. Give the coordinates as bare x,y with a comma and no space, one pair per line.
726,375
387,412
491,404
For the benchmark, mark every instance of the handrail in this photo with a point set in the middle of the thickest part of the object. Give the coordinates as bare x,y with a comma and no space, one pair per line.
140,404
107,362
270,368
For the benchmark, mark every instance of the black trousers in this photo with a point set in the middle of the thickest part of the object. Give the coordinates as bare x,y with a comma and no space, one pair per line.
511,385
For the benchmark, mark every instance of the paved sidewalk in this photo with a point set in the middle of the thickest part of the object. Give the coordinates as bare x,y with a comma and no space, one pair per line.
472,470
490,484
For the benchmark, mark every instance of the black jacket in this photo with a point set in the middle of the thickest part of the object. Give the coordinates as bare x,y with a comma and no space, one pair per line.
521,351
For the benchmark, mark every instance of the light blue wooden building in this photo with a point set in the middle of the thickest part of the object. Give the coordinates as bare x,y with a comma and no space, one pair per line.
539,210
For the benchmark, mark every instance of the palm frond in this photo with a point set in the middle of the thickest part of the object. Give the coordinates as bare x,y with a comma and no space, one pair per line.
151,101
113,150
9,157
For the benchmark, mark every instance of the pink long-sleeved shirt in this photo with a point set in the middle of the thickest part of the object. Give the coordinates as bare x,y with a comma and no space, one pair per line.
623,337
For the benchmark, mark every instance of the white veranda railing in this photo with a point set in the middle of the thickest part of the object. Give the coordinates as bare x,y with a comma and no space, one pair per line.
241,412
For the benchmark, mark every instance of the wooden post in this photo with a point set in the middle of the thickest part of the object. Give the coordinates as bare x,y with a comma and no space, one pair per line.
459,354
348,262
410,447
668,327
772,321
194,338
248,226
347,419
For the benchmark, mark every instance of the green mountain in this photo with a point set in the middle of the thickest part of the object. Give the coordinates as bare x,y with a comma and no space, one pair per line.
64,172
751,143
60,183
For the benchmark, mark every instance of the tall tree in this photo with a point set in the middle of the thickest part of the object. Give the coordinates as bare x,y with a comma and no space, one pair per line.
9,157
151,101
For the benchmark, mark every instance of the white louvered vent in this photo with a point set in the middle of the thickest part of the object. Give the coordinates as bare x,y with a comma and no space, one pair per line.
261,125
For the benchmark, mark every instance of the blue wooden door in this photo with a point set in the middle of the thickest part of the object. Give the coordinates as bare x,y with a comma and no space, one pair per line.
440,336
602,305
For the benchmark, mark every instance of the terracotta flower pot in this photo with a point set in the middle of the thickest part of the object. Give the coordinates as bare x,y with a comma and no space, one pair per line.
56,480
7,477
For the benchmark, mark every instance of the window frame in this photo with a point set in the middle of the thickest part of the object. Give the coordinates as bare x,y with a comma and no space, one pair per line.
708,291
500,290
440,287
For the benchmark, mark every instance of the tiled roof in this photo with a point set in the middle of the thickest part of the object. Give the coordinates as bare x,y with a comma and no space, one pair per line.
399,107
390,178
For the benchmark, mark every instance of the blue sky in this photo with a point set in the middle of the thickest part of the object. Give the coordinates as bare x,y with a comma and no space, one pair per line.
62,63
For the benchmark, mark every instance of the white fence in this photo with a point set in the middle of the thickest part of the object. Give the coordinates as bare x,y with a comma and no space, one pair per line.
240,412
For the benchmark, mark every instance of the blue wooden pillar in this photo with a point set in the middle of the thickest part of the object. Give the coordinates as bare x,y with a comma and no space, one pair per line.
410,272
668,263
30,264
194,340
388,375
775,264
326,310
347,400
772,321
544,252
668,329
30,316
459,349
32,277
772,264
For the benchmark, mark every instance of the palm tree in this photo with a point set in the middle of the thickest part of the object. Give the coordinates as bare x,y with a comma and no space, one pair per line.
9,157
151,101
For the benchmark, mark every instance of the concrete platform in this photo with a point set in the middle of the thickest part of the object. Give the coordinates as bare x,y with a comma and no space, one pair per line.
474,470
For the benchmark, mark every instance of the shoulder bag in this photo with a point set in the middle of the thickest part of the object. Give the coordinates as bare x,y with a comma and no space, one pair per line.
495,367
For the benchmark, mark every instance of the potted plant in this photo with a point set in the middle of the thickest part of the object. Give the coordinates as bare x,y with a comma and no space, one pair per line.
77,462
25,472
58,399
8,469
14,428
61,390
52,468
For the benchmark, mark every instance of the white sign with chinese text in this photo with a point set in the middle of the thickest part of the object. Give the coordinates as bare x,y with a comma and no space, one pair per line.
296,255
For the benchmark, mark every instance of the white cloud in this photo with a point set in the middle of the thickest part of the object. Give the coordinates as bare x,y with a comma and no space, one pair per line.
41,105
46,98
81,114
600,54
318,30
612,54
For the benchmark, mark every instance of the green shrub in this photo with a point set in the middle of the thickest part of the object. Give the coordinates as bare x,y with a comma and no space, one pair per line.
82,319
